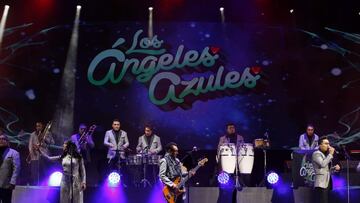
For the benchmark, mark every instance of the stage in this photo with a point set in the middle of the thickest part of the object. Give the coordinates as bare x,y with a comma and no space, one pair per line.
31,194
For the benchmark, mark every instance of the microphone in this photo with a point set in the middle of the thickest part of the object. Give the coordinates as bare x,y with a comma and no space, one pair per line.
194,149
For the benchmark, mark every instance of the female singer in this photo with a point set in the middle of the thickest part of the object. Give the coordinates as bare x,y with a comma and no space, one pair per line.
72,163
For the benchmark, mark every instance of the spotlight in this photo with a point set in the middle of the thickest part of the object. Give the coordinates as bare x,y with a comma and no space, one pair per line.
223,178
7,6
150,8
78,7
114,179
291,10
272,178
55,179
221,9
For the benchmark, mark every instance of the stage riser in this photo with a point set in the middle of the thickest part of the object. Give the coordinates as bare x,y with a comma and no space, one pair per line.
196,195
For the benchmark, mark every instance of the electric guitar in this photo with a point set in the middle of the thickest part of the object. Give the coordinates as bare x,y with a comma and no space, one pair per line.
170,193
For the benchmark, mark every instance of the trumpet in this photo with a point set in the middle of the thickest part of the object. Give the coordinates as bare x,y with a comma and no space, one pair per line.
41,139
84,136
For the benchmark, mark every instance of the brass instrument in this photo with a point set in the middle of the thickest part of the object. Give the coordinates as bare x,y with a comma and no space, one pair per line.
84,136
41,139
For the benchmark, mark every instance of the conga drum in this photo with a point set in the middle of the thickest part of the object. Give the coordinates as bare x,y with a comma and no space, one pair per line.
246,158
228,157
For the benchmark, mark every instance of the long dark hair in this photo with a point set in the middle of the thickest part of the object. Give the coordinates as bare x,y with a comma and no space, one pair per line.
71,149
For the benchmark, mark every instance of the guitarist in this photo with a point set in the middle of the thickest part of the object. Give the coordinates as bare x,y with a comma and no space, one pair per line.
171,168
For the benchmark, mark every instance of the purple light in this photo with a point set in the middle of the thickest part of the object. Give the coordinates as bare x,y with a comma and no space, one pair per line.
272,178
223,178
114,179
55,179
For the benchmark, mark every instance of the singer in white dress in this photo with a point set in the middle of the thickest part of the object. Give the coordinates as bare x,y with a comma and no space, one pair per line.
73,166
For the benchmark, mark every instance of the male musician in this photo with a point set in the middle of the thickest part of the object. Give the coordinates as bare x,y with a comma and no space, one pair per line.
322,159
149,142
83,149
309,140
231,136
171,168
37,164
9,169
117,141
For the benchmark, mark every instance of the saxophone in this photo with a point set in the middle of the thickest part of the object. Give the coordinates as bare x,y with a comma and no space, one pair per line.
41,140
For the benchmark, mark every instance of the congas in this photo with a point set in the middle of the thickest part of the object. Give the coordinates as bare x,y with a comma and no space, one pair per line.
228,157
246,158
135,159
154,159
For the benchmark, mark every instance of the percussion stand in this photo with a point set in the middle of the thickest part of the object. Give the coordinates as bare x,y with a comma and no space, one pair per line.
144,181
237,184
263,182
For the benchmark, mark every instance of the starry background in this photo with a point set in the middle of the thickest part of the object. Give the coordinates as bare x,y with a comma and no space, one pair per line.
306,78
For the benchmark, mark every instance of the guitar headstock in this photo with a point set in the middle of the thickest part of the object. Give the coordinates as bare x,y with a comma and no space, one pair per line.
203,161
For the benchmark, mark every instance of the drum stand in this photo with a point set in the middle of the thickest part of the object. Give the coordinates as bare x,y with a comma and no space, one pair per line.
263,182
144,181
237,183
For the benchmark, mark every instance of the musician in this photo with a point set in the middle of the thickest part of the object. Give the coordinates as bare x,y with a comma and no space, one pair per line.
309,140
149,142
85,148
230,137
9,169
116,139
322,159
171,168
73,182
37,164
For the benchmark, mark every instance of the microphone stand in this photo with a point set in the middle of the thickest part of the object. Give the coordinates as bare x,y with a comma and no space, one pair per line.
71,175
347,157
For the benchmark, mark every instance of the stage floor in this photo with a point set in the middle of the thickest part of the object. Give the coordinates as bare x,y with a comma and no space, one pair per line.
30,194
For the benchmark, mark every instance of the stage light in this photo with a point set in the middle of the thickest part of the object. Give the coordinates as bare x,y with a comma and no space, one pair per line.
223,178
55,179
272,178
150,23
114,179
291,10
3,22
222,14
64,113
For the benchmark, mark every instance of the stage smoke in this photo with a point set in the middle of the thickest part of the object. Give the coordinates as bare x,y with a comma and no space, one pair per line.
64,113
